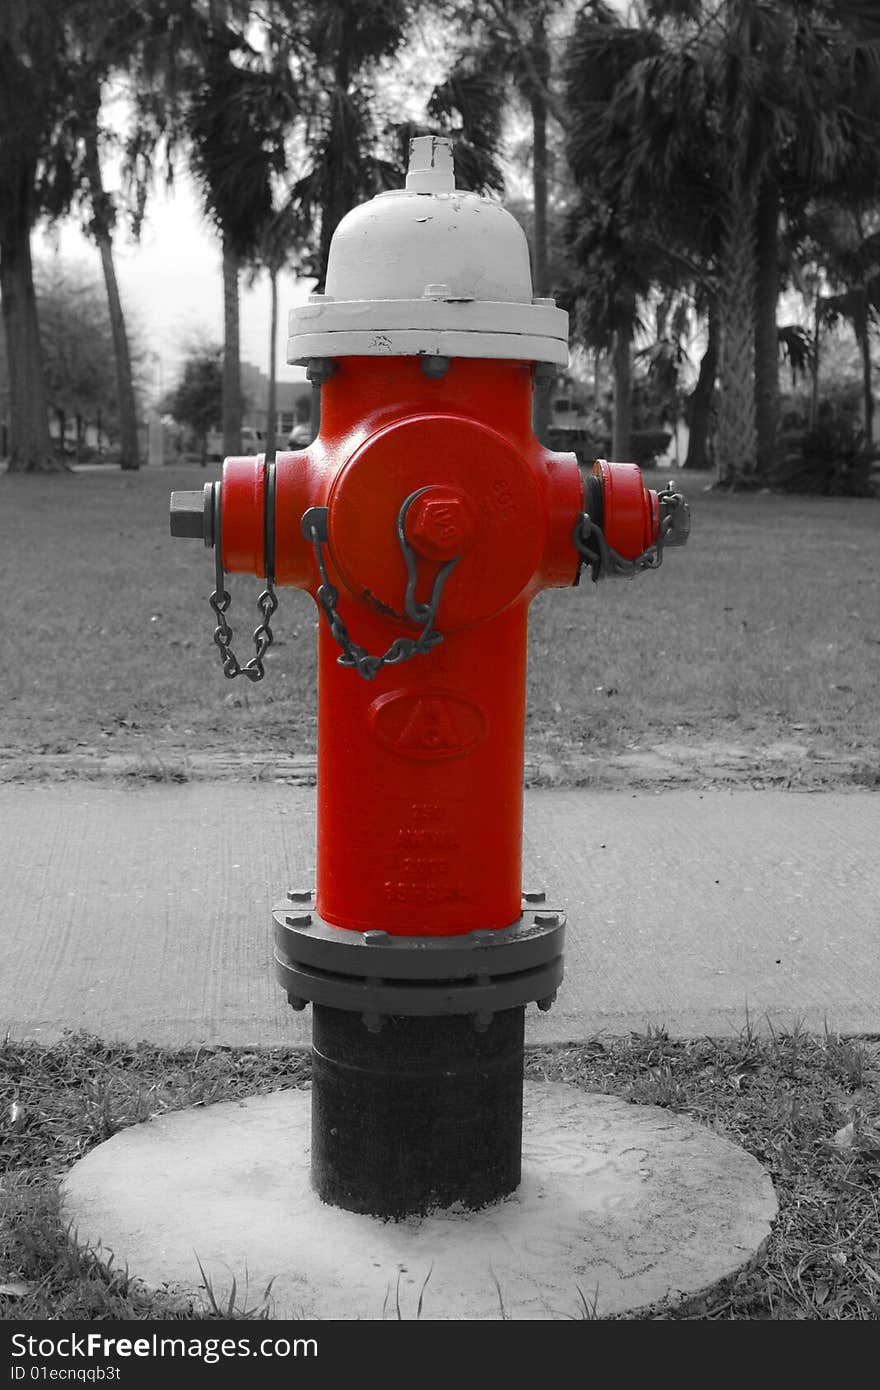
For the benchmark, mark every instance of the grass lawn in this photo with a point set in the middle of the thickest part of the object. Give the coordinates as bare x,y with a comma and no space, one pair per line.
753,657
806,1107
753,654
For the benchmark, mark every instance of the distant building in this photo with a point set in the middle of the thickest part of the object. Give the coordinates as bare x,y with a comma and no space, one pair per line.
293,413
568,404
293,402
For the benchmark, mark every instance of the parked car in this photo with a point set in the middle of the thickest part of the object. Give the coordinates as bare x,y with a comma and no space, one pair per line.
300,436
252,442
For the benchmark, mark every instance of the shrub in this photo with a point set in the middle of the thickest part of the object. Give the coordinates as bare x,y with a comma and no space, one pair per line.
830,461
645,445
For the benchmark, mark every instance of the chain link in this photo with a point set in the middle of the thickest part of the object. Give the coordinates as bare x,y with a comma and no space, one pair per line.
314,528
263,635
220,600
592,546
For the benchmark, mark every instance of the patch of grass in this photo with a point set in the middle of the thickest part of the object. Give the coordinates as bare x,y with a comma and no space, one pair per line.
806,1106
765,627
234,1306
58,1102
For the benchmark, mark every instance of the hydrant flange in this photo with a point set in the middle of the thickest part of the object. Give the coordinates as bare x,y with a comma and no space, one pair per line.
480,972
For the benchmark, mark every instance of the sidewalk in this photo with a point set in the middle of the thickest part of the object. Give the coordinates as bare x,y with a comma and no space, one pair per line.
144,913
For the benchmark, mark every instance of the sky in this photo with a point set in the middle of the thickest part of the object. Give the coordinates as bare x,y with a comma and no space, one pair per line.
171,280
171,284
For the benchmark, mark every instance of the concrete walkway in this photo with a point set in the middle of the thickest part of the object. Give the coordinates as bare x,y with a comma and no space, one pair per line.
144,913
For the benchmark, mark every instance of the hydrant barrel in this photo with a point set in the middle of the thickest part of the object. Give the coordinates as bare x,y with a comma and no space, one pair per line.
423,519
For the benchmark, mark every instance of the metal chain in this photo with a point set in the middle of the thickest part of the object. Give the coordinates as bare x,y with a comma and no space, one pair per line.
220,600
592,546
314,528
263,635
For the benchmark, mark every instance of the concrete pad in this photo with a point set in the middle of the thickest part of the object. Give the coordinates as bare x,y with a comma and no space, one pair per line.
144,912
621,1207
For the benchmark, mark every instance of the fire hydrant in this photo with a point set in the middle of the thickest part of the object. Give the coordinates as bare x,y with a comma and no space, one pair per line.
423,519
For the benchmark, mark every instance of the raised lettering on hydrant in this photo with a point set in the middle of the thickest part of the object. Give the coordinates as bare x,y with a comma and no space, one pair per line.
423,518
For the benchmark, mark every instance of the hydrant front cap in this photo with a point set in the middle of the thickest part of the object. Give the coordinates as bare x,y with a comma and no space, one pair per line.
429,270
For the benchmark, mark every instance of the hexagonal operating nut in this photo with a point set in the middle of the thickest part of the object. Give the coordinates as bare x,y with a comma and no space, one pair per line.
187,514
192,514
441,523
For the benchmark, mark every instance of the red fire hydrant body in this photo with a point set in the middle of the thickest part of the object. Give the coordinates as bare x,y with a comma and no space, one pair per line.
424,518
420,769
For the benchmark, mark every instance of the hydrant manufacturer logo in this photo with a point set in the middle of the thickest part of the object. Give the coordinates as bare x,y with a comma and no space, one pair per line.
430,725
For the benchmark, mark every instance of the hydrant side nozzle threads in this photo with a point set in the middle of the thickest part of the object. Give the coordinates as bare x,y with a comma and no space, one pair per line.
625,526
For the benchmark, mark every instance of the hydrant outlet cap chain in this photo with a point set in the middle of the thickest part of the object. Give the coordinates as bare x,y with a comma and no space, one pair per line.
429,270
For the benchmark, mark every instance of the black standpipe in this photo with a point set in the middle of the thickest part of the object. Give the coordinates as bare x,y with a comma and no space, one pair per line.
424,1113
417,1051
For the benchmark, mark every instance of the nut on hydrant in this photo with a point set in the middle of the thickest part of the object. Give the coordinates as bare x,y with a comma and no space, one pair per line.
423,519
440,524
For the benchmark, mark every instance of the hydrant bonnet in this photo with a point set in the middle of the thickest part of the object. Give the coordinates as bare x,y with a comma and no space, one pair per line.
429,270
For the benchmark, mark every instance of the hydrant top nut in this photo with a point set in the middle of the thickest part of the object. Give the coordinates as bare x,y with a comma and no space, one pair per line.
429,270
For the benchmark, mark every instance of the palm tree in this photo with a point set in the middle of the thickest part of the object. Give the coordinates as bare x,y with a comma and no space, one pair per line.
100,222
129,41
848,248
39,158
616,256
510,45
344,41
213,79
281,243
720,109
236,123
611,272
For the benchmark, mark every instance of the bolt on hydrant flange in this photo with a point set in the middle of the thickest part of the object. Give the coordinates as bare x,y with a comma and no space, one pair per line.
423,520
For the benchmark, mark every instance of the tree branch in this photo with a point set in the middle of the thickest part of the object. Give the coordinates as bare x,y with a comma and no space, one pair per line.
538,84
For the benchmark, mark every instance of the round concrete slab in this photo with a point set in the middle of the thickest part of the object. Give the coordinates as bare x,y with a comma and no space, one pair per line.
621,1207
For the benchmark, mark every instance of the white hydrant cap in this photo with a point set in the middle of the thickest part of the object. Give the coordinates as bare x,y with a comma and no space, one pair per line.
429,270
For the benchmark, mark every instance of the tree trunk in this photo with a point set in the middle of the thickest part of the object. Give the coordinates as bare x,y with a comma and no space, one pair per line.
30,447
129,456
271,401
597,380
621,360
699,413
340,152
102,221
814,365
544,382
231,360
766,332
864,338
736,438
